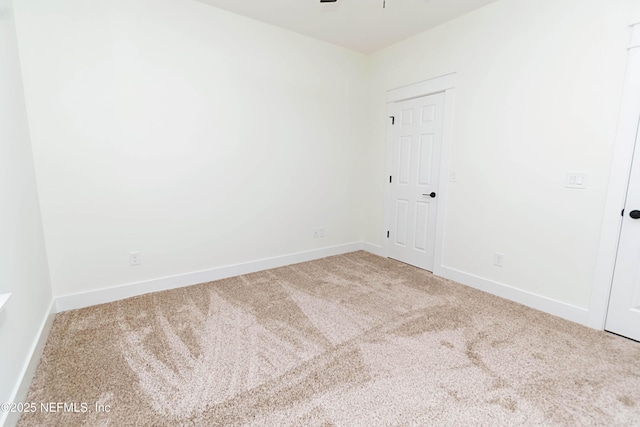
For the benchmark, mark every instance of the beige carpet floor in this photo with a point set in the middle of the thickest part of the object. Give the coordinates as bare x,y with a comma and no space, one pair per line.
350,340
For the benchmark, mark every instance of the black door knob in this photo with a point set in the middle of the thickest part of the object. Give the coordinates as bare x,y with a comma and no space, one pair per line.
432,195
634,214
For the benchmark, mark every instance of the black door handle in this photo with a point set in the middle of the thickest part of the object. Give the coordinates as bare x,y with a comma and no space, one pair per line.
634,214
433,195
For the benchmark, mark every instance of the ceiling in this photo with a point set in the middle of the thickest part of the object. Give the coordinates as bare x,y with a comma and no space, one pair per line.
360,25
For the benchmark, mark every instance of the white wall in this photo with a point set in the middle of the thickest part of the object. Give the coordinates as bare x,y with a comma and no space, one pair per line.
196,136
23,262
538,91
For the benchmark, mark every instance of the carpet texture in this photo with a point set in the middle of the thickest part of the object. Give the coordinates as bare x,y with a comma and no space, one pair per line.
349,340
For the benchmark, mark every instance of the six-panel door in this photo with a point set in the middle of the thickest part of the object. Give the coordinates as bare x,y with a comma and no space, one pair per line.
417,138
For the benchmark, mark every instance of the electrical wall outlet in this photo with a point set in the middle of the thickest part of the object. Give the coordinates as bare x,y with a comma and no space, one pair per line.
135,258
318,232
498,259
576,180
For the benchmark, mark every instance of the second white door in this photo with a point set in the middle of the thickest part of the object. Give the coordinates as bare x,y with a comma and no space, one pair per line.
623,315
417,140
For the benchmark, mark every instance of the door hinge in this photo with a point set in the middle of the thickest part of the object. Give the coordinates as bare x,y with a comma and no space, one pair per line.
622,213
393,119
387,234
390,177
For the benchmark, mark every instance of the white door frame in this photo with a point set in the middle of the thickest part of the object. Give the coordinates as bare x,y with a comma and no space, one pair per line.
618,180
445,84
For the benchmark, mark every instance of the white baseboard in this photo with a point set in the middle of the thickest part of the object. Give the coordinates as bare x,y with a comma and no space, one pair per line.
374,249
557,308
10,419
105,295
101,296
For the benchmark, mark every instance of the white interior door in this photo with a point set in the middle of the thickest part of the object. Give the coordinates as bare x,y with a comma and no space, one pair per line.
623,315
417,140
